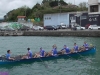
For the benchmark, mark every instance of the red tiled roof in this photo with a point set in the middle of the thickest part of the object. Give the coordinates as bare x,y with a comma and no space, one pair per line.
21,16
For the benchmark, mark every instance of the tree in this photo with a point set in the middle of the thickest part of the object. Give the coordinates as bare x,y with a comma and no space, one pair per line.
70,3
83,6
56,3
38,10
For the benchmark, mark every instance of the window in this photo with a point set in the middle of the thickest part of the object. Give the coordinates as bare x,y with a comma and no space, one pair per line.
94,8
47,18
73,18
83,17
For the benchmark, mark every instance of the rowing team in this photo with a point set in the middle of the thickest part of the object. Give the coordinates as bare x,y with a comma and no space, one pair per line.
53,52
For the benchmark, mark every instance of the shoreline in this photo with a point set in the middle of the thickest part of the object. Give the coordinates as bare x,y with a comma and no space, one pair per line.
77,33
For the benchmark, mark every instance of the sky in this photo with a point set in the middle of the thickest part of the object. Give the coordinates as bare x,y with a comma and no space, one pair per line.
7,5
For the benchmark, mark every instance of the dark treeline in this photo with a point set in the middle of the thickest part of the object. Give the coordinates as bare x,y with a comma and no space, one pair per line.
38,10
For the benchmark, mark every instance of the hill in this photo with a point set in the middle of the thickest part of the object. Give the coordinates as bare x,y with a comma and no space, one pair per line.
45,7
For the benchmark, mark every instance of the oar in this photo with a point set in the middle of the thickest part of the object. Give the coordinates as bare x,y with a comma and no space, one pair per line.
43,62
69,56
83,56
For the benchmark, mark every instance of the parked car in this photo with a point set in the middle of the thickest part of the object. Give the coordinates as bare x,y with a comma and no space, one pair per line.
24,28
63,26
87,26
38,28
79,27
50,27
58,26
91,27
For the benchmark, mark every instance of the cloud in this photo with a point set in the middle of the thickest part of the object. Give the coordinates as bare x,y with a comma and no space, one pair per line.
7,5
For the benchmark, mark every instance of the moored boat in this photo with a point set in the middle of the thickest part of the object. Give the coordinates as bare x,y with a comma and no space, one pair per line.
83,53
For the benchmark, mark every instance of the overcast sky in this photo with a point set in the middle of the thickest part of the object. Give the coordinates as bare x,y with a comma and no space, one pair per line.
7,5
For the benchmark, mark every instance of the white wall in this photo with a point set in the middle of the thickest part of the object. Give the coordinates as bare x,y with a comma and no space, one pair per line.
56,19
90,2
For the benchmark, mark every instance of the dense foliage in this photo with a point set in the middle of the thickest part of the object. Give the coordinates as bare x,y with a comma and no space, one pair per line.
39,10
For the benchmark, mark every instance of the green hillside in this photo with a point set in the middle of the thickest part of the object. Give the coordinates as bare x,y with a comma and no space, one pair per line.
38,10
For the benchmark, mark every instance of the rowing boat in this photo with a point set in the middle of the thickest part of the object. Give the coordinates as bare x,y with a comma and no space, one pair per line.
83,53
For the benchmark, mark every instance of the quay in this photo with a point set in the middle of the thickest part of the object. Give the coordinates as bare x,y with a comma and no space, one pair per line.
63,33
77,33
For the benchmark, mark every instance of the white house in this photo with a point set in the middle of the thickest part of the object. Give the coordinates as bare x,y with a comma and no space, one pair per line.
94,12
21,18
94,6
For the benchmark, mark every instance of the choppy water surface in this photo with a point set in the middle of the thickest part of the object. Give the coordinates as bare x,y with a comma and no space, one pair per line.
18,45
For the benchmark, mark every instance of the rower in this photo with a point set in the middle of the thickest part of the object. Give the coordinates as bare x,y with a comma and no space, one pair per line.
75,48
42,52
54,50
8,55
65,50
28,55
86,46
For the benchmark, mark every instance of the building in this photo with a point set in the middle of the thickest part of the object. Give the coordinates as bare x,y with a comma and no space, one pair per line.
94,12
69,19
56,19
21,18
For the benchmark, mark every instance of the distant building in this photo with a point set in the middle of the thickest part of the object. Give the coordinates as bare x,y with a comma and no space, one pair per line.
69,19
21,18
94,12
56,19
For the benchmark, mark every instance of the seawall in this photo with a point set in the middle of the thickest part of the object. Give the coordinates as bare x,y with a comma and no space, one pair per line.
63,33
52,33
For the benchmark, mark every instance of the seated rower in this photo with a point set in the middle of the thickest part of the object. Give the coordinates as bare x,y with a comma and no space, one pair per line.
41,53
8,55
86,46
75,48
65,50
81,49
54,50
28,55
